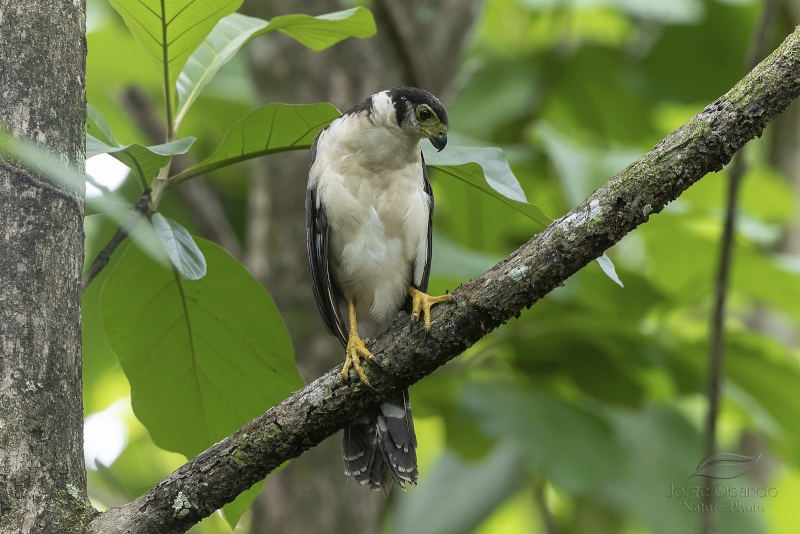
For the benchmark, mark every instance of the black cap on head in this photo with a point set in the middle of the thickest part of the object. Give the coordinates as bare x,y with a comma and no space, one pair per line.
416,96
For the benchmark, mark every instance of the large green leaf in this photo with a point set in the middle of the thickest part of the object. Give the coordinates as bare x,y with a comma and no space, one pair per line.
458,495
318,33
233,31
145,161
269,129
202,357
170,30
573,446
486,169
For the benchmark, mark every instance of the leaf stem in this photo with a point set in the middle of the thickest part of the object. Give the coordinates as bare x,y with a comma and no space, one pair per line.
201,169
165,61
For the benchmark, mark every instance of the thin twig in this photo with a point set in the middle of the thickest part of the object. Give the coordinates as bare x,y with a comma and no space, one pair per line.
139,211
720,296
717,345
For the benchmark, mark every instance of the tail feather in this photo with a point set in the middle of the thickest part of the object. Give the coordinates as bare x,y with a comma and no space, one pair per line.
380,447
358,449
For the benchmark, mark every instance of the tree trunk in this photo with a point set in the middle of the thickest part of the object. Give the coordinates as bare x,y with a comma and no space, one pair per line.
418,43
42,473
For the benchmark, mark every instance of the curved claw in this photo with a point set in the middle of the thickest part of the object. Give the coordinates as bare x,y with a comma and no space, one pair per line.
422,303
356,351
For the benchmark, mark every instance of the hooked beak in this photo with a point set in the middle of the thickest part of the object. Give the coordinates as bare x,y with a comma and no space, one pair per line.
439,141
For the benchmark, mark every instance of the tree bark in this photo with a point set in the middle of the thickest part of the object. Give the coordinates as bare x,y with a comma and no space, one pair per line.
704,144
42,72
418,43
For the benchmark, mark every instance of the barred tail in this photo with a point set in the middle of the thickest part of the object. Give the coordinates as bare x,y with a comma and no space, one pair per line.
381,446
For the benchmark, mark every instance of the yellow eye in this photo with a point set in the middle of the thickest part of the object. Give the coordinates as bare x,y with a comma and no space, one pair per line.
424,113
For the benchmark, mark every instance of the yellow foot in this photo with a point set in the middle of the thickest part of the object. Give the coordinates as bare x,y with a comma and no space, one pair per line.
420,302
356,350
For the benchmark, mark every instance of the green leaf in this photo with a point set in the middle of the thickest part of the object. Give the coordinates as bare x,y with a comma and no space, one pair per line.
145,161
770,376
486,169
318,33
233,511
170,30
180,247
574,447
95,121
458,495
202,357
235,30
268,130
459,263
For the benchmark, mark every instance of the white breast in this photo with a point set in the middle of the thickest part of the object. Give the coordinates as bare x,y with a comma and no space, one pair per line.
369,179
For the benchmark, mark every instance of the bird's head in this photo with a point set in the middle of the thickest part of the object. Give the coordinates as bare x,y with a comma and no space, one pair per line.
420,114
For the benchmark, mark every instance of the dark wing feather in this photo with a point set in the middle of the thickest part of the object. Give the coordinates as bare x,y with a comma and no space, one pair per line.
325,291
426,273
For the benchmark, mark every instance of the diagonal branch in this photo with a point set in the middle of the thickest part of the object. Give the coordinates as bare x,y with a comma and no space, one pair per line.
704,144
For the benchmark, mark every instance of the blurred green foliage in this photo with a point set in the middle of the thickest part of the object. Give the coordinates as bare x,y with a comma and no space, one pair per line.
590,407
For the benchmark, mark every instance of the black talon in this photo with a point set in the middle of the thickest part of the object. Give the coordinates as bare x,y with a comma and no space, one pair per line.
427,332
411,324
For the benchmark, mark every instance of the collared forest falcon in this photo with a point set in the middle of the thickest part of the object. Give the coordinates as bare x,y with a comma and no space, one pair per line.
369,210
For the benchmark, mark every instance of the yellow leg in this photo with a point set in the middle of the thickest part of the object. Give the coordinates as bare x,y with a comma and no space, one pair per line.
421,303
356,349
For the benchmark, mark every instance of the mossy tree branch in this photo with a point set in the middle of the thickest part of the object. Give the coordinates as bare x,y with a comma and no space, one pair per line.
704,144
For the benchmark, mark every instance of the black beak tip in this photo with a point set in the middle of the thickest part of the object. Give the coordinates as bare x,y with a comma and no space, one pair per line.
439,142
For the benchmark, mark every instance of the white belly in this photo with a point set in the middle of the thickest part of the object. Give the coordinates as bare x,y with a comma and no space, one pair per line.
378,238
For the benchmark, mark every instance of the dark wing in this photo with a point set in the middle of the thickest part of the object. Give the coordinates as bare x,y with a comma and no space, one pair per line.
325,292
426,274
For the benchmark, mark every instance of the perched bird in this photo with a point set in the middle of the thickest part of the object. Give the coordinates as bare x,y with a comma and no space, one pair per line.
369,209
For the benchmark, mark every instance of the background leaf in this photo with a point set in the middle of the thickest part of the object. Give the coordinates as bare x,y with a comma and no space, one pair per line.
232,512
459,495
96,124
145,161
495,167
180,247
487,170
574,447
318,33
268,130
203,357
608,267
235,30
170,30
